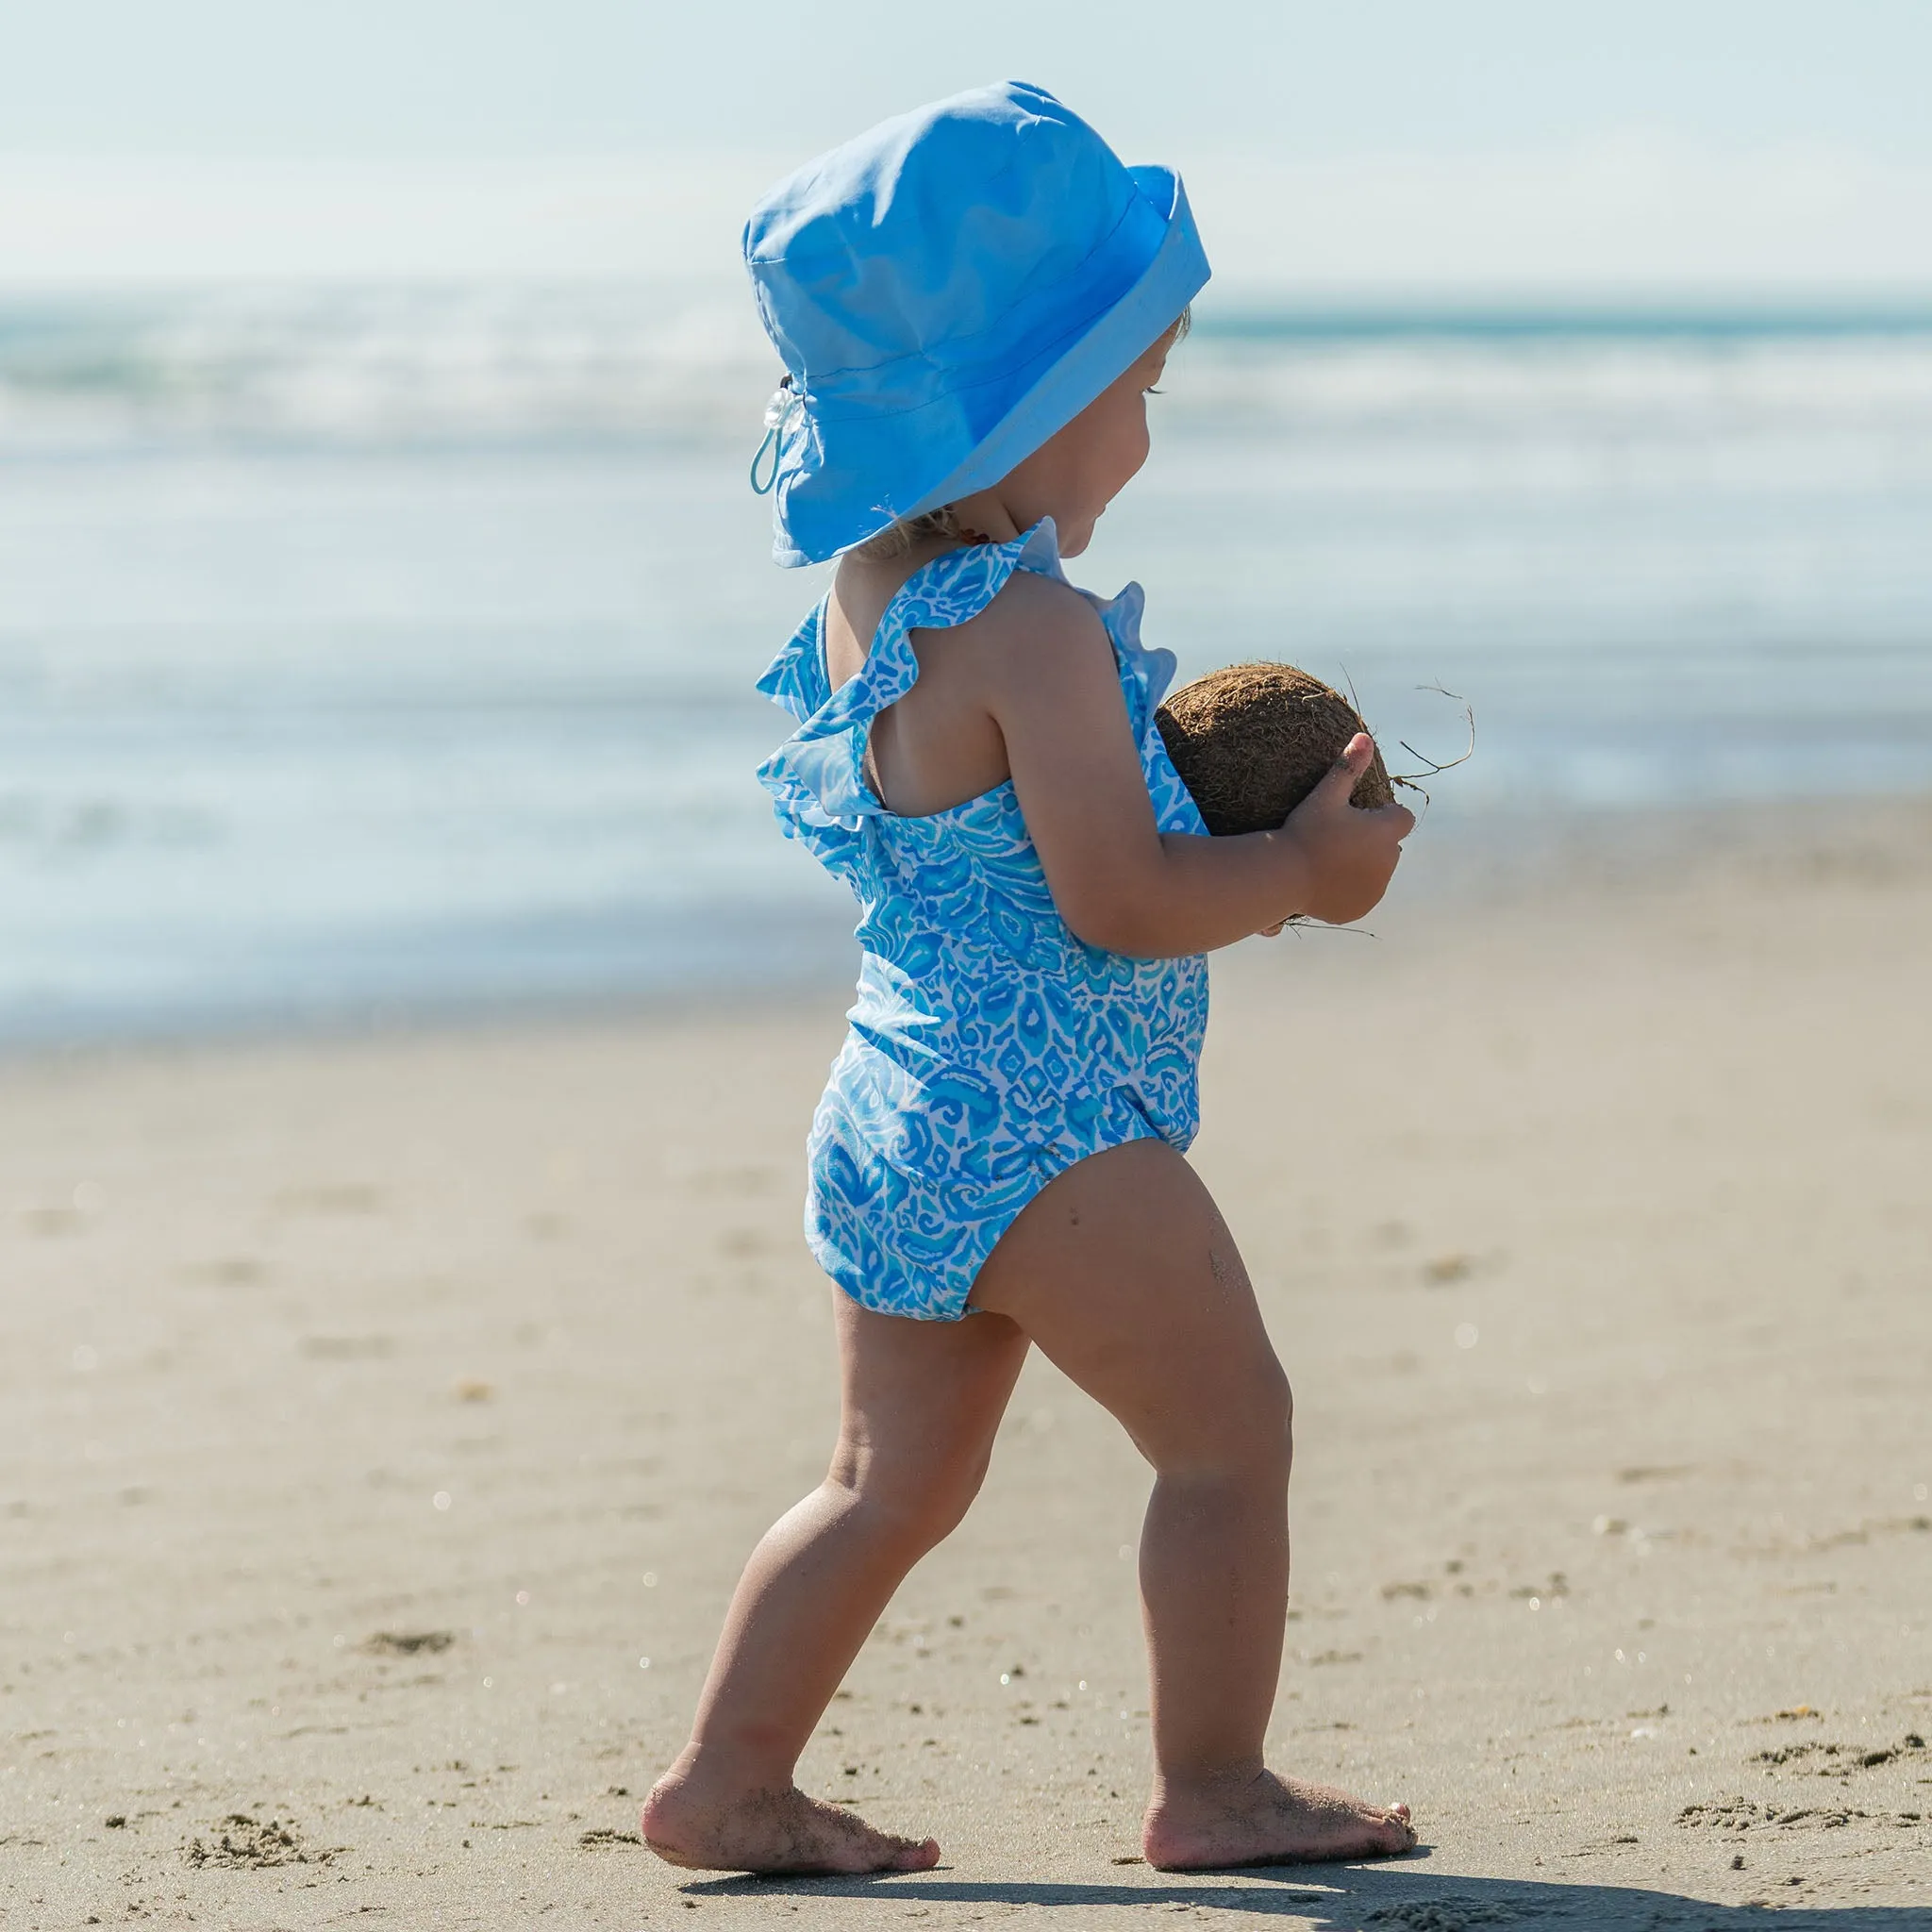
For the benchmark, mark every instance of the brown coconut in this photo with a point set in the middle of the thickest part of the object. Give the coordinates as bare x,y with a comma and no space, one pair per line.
1252,741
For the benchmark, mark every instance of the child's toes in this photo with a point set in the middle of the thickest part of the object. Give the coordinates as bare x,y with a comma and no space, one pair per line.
1399,1828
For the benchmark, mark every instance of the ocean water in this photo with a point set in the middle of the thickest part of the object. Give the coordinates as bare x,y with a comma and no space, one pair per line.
371,653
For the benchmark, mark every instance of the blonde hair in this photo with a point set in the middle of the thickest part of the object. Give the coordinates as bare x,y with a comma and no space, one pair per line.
904,536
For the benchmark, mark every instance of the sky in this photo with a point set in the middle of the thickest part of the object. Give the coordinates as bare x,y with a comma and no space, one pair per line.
1428,145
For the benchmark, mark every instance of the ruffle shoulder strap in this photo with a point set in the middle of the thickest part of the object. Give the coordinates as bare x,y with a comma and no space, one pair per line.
1145,674
817,776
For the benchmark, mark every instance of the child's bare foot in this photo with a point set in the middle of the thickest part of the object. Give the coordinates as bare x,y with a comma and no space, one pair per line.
1259,1819
770,1831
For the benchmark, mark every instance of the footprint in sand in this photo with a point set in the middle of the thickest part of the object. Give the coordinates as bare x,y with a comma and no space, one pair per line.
243,1843
408,1644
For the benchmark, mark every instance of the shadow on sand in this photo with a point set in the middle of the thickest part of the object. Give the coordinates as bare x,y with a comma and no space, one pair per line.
1371,1898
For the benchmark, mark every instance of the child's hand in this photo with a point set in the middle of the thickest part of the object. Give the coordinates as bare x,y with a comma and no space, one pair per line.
1351,854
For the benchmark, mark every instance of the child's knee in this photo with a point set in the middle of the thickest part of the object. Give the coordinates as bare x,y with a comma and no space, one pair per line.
953,1496
1247,1435
914,1508
1271,1420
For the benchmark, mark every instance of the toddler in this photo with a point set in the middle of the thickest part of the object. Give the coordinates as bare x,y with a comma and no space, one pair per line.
972,302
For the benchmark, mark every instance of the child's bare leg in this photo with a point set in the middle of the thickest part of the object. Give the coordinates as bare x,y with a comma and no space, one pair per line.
921,1401
1123,1272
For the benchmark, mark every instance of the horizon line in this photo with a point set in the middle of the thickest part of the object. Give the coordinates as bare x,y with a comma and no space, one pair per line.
1251,312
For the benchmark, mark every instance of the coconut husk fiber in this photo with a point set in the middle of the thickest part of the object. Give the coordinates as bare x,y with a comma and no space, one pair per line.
1252,741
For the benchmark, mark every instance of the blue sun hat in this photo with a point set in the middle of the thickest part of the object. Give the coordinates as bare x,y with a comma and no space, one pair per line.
946,290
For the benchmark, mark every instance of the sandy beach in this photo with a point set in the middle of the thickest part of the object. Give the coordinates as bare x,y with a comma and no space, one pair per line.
383,1422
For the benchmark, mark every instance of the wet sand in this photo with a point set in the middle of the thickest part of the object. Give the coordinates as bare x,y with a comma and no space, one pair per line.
369,1409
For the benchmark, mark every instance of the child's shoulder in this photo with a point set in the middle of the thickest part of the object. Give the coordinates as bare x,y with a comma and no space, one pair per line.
1039,639
1031,607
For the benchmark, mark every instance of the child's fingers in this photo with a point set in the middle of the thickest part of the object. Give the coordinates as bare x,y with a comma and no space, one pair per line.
1340,780
1355,754
1398,818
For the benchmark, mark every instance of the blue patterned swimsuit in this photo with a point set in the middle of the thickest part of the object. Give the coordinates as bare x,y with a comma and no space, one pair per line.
990,1049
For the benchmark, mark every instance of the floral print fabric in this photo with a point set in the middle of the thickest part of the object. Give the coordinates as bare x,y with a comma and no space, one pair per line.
990,1048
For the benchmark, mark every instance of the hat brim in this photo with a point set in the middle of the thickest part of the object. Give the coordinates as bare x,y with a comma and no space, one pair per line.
1087,366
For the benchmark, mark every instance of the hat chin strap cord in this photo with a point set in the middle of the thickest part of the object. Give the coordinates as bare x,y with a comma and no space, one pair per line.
787,402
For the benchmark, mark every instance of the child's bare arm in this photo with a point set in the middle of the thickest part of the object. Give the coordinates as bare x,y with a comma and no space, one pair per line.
1118,881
